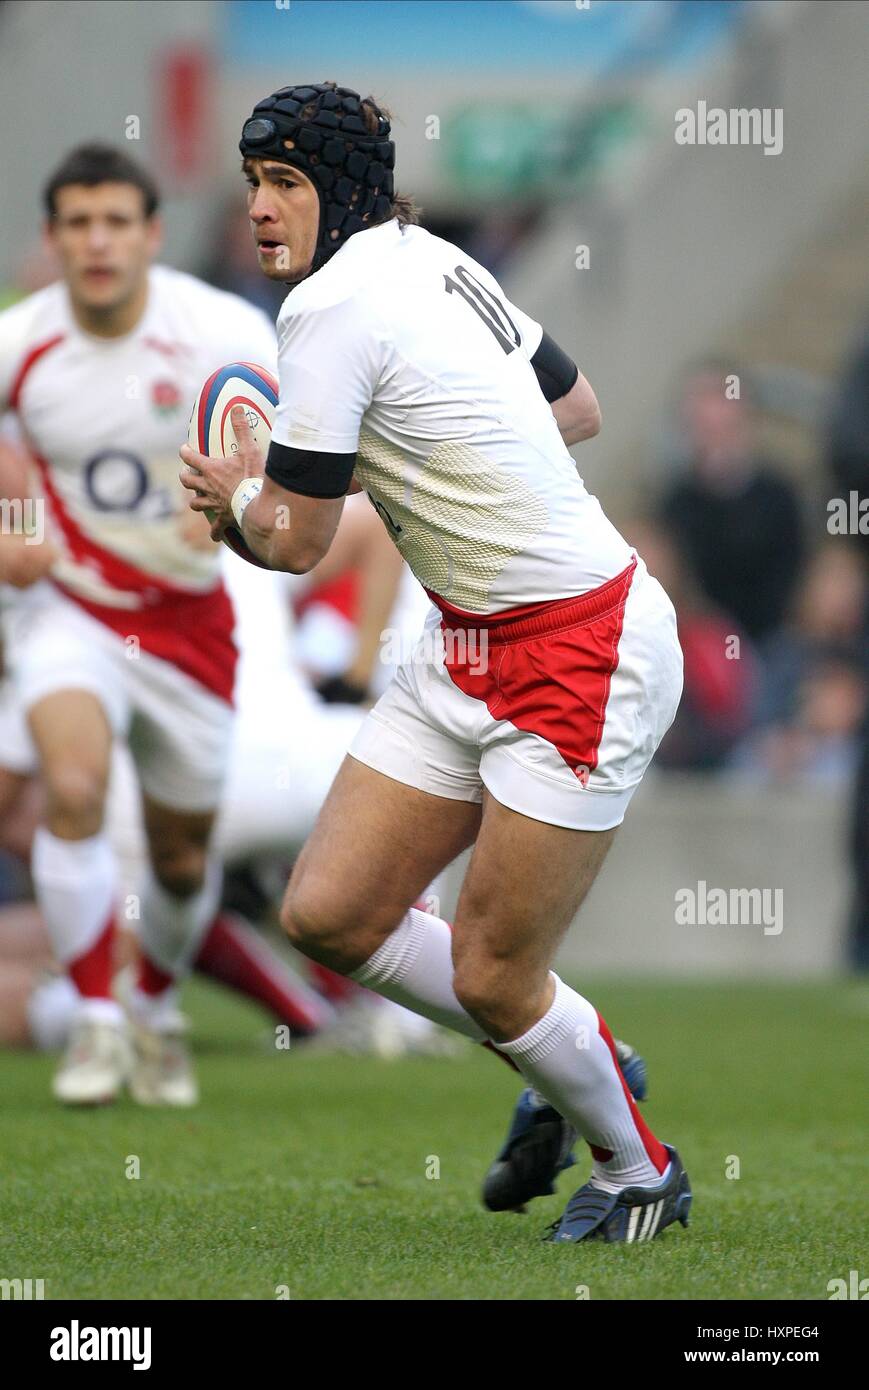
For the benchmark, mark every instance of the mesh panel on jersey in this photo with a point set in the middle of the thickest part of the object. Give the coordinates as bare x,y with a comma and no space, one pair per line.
463,516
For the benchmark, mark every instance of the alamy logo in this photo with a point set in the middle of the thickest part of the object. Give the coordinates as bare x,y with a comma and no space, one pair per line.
468,647
22,1288
23,517
76,1343
854,1288
848,516
712,125
741,907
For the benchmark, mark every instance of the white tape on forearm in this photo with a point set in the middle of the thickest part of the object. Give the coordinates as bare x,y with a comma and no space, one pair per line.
247,490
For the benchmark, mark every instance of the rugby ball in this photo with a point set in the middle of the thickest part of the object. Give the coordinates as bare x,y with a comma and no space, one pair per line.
210,431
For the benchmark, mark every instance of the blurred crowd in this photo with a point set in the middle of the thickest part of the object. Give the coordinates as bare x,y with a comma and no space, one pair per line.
773,608
771,589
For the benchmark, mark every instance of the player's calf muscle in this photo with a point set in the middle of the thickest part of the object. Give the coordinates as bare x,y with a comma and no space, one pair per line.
178,846
180,869
517,901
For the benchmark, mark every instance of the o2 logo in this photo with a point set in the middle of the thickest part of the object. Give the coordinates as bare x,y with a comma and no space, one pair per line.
117,481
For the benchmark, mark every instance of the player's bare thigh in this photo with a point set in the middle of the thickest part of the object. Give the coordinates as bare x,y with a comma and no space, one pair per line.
376,846
74,742
525,883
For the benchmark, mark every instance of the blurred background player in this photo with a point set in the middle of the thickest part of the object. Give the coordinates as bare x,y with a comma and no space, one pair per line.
286,746
131,636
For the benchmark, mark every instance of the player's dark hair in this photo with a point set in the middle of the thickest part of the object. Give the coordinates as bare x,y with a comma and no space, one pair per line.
402,206
94,164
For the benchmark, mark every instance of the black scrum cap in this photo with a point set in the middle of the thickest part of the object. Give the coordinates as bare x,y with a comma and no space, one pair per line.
350,168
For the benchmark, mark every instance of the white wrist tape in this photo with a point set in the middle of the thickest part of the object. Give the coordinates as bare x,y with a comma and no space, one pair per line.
247,490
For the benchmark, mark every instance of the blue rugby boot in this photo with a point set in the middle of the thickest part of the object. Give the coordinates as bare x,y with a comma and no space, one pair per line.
540,1142
633,1215
633,1069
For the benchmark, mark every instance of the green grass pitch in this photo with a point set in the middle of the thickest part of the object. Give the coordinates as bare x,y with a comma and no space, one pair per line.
312,1177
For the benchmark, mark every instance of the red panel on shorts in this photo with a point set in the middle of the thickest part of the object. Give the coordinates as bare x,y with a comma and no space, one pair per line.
548,672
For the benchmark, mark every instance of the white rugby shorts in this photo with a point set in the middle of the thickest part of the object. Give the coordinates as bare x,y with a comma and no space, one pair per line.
177,729
556,709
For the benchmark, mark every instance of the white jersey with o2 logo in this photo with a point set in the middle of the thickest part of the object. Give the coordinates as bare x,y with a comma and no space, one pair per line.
406,351
104,419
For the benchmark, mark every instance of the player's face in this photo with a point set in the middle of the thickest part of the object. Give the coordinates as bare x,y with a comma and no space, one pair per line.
104,242
284,210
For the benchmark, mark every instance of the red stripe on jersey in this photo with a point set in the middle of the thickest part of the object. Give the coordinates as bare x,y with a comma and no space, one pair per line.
30,361
548,669
191,629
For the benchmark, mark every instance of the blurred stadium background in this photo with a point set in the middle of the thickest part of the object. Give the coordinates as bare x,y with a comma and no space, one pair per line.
529,130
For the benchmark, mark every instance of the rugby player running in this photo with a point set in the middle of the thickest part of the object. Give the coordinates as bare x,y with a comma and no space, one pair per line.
549,668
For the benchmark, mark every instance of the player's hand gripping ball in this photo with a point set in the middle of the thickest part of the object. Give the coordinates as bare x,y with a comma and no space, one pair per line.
222,451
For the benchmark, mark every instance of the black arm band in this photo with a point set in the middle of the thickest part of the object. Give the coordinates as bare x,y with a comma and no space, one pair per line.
308,472
555,370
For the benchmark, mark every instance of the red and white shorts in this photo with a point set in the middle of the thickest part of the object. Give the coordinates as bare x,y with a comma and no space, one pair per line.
177,728
557,710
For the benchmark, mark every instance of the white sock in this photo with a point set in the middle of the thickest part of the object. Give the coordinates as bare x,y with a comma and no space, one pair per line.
75,884
566,1059
414,967
172,929
52,1007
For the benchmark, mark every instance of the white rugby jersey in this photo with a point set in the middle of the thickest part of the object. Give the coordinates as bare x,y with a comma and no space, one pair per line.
405,350
105,418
